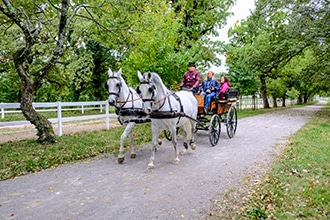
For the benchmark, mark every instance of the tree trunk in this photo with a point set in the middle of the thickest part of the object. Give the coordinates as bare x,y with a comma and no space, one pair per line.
305,99
299,101
283,101
264,90
275,102
44,127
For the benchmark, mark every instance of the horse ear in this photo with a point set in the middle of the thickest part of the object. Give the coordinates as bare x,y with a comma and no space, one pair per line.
109,72
149,76
140,76
120,72
138,90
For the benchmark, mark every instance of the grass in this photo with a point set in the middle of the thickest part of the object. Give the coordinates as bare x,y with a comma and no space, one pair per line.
297,185
27,156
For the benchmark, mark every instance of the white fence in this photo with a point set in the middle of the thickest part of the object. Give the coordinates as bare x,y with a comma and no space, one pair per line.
59,107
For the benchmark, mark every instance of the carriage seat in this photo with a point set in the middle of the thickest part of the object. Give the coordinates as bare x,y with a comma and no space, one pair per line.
230,96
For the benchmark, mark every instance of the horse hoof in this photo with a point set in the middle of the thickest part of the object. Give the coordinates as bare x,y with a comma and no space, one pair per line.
133,156
121,159
160,142
183,152
176,161
193,146
151,166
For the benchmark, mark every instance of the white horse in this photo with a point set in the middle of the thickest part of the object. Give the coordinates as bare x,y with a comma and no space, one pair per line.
128,106
168,110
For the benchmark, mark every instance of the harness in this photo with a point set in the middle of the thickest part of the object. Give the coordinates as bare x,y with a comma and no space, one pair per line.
171,113
121,111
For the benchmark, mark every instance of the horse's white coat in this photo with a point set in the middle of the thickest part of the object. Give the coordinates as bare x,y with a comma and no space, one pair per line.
123,97
157,97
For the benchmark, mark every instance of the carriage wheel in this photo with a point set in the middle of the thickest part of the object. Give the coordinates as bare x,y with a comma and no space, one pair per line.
231,121
214,129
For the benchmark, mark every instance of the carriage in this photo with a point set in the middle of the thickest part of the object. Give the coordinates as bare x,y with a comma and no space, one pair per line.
219,111
167,110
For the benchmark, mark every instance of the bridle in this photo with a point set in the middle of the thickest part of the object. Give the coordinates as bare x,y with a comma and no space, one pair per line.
151,89
123,102
119,85
152,100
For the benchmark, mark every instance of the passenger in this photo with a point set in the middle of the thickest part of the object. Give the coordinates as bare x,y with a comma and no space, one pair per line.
210,88
225,84
191,79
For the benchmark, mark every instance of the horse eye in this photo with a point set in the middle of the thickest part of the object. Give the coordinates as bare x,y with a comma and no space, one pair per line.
151,89
118,84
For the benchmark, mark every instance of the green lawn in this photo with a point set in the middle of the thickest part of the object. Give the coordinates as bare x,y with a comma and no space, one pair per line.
296,186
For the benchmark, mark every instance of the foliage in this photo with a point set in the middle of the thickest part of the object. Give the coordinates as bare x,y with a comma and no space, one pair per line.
158,36
276,34
9,84
168,36
292,94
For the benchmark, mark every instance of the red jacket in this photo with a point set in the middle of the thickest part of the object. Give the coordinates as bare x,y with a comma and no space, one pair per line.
191,79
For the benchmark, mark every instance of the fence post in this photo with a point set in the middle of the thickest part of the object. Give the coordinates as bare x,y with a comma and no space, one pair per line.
59,118
82,109
2,112
107,115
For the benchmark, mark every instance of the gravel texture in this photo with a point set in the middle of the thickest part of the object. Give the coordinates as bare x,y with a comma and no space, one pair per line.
104,189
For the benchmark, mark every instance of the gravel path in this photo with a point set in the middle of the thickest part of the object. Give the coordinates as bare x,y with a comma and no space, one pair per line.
104,189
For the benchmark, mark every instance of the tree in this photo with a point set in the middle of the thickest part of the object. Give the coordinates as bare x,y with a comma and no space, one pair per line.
39,31
275,33
172,34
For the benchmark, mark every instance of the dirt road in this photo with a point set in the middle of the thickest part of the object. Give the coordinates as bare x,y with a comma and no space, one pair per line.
104,189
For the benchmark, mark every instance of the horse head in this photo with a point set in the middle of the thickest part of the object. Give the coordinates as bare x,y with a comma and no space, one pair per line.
114,86
147,90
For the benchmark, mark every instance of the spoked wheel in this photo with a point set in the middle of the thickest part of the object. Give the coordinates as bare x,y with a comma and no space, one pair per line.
214,129
231,121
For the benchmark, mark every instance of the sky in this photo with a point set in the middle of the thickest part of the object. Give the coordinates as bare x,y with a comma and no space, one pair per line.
241,11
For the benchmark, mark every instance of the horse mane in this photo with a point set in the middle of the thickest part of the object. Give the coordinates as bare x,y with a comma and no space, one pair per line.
157,80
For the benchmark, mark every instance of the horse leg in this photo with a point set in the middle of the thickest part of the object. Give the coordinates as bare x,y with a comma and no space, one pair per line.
185,144
155,135
187,135
133,154
192,139
174,142
128,129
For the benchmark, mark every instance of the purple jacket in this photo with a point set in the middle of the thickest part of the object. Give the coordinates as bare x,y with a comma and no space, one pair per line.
191,79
